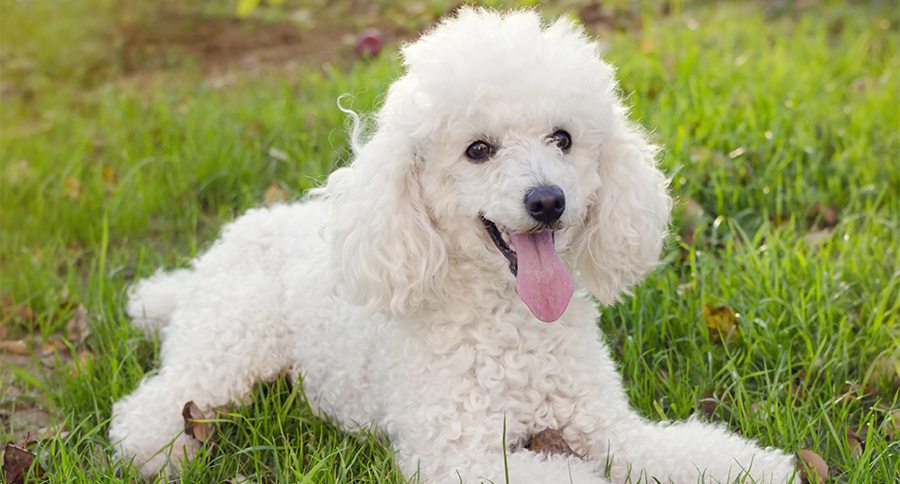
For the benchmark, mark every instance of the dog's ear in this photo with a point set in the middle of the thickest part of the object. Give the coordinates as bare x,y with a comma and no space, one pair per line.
387,254
628,215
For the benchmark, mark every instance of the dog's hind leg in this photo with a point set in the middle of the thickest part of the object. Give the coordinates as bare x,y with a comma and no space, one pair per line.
230,336
152,301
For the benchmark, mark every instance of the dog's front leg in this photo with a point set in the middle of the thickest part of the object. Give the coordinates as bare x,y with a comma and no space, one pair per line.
214,350
635,450
601,423
690,451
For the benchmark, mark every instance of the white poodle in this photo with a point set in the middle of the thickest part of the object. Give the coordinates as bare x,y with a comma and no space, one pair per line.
437,288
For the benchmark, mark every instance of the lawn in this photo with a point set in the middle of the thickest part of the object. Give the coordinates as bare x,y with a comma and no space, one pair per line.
776,311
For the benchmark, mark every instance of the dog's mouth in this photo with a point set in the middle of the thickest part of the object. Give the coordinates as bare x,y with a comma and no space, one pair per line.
542,281
502,246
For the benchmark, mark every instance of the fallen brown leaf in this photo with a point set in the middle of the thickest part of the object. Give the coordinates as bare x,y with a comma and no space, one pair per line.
72,188
812,467
274,194
722,323
17,347
109,176
549,441
193,424
886,370
798,385
77,329
239,479
51,347
13,311
893,430
707,405
822,216
16,463
79,362
51,433
856,391
857,443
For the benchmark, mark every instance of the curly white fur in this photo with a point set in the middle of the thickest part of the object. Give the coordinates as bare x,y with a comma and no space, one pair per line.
385,292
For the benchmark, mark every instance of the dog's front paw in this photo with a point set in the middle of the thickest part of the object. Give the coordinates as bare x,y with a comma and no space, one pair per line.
151,459
147,438
769,465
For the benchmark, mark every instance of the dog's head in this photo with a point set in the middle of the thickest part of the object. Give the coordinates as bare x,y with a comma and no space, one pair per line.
504,149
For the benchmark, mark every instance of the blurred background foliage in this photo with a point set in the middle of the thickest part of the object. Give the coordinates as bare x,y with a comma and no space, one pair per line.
90,41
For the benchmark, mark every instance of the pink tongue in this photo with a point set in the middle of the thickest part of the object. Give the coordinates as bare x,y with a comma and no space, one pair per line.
541,281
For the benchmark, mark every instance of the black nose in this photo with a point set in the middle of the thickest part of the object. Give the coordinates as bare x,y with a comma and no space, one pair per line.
545,204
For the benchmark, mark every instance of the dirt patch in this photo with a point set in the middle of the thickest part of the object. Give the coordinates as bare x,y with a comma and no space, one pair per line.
217,44
27,364
22,415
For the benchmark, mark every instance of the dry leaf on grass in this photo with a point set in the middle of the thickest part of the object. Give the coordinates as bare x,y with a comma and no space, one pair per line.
193,424
72,188
12,311
886,370
79,362
52,347
812,467
822,216
109,176
77,329
239,479
855,391
799,383
857,443
17,347
549,441
894,428
722,323
52,432
274,194
16,463
707,404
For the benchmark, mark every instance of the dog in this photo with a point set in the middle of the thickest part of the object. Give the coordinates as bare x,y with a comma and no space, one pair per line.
438,289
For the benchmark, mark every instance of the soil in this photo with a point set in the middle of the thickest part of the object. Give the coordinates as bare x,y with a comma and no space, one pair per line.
218,44
22,416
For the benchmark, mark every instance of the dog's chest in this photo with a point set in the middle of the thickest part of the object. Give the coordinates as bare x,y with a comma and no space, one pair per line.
499,368
529,382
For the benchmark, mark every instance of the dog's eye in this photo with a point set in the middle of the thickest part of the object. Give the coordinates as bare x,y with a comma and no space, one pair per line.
479,151
562,139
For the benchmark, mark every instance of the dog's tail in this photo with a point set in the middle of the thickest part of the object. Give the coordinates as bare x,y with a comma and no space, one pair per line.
152,301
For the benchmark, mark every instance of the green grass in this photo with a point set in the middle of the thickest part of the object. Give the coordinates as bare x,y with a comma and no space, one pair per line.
769,118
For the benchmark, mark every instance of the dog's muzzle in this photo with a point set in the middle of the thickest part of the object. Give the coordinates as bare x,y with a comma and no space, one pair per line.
542,281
